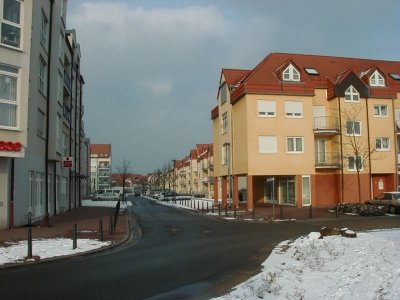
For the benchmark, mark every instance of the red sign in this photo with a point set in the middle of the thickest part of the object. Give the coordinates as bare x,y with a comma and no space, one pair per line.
67,162
10,146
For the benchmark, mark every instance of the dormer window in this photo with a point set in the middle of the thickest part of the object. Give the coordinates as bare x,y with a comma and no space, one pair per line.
376,79
291,74
351,94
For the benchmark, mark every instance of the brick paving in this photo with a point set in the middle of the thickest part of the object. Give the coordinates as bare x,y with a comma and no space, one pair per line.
87,220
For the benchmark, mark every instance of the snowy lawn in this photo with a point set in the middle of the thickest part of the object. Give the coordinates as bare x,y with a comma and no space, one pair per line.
335,267
16,252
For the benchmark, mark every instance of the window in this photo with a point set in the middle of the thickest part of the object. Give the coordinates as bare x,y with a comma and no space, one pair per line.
41,123
266,108
353,127
225,154
382,144
287,186
65,144
11,23
291,74
294,144
42,75
63,9
39,189
380,110
9,102
224,93
311,71
376,79
355,163
60,88
59,144
267,144
224,123
44,30
294,109
61,46
351,94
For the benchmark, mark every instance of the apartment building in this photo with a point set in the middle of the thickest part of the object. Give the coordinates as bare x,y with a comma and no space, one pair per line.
100,167
305,130
41,113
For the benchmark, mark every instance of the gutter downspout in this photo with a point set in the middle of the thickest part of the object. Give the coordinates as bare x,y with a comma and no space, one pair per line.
12,185
341,154
70,132
369,152
46,163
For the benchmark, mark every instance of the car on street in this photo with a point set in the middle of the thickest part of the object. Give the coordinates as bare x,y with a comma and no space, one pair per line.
389,199
107,196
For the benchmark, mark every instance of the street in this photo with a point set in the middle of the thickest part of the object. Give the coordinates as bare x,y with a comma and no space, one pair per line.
181,255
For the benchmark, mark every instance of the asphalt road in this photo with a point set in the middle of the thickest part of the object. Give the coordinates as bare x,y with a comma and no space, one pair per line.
181,255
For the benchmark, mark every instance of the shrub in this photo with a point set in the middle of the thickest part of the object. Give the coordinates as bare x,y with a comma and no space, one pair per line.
361,209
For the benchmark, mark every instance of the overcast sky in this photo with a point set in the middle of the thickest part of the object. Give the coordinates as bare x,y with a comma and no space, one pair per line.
152,67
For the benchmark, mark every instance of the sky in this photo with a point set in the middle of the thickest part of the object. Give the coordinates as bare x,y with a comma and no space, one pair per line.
152,67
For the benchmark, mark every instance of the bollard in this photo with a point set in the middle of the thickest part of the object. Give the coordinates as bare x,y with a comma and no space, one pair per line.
111,227
219,209
29,242
337,211
212,208
281,213
310,212
234,211
226,210
207,210
202,206
74,237
254,214
101,237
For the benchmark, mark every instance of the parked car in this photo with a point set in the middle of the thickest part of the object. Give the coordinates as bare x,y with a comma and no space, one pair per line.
107,196
389,199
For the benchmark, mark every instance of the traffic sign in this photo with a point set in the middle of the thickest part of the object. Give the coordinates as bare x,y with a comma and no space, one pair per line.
68,162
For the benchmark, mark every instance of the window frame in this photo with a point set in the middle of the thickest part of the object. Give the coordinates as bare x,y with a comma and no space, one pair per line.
264,108
224,123
377,79
13,72
291,74
291,107
351,92
353,133
44,30
380,114
382,139
355,157
225,154
267,140
18,26
42,76
294,144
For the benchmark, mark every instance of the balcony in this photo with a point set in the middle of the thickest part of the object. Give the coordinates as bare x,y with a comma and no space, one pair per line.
67,82
327,160
67,113
398,127
208,179
326,125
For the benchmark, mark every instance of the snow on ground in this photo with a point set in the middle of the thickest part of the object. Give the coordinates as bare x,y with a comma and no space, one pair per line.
16,252
335,267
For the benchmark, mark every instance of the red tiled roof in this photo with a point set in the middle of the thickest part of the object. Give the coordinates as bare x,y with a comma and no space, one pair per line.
101,149
263,78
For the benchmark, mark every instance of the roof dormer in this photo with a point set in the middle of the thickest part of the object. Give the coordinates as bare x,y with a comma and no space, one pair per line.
376,79
291,74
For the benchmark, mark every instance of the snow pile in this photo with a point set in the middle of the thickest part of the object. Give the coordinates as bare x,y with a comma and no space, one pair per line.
16,252
335,267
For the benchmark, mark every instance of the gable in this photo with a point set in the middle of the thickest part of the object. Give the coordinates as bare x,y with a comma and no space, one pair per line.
357,83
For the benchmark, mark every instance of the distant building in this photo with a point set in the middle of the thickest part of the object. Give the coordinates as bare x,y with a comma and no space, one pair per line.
298,129
100,167
41,111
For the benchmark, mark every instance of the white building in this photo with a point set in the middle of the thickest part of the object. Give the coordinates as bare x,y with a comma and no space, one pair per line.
41,110
100,167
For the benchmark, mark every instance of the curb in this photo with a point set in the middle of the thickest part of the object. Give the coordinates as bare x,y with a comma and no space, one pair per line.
128,237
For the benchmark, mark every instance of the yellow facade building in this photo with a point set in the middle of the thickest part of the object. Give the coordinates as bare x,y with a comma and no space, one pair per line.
305,130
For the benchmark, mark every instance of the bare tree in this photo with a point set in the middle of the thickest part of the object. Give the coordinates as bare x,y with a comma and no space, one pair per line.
356,145
124,170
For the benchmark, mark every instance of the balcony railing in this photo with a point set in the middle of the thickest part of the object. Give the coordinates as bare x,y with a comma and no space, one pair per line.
326,125
327,160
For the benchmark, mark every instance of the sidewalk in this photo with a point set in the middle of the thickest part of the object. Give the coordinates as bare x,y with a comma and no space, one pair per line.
87,220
